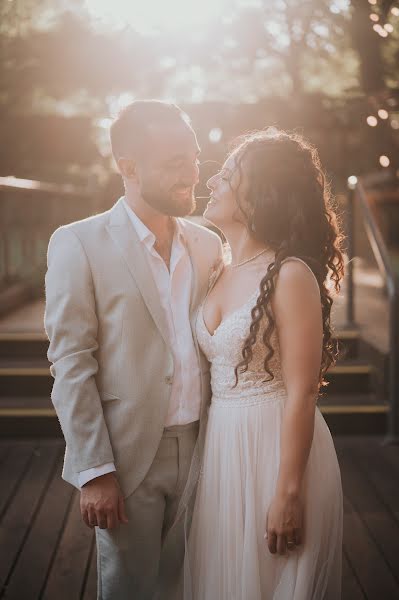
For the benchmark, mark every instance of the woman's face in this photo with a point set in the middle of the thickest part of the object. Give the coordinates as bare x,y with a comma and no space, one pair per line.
222,206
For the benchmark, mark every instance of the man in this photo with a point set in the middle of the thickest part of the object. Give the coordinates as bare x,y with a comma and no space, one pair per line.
131,386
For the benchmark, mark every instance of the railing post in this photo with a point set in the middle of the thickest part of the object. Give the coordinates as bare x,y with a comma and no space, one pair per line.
350,229
384,262
393,415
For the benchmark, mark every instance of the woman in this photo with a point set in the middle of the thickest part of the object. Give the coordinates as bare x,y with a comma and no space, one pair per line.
267,521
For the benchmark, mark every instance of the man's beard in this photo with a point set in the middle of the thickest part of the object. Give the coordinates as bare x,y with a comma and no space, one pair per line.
166,204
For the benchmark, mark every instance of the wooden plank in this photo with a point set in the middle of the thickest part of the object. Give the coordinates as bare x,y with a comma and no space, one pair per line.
390,453
23,336
66,564
12,469
381,472
368,564
68,572
5,450
32,413
368,399
364,555
369,505
21,512
29,401
351,369
90,589
9,370
343,409
351,589
35,559
5,447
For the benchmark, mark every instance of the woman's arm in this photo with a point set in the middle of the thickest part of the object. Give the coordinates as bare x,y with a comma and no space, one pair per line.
297,310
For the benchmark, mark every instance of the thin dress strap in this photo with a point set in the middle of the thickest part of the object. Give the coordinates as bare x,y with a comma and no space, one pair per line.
306,265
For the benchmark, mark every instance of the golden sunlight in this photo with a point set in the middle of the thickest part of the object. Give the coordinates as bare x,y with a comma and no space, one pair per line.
152,15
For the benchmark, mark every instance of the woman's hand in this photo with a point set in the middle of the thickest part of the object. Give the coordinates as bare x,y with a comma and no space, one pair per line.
284,523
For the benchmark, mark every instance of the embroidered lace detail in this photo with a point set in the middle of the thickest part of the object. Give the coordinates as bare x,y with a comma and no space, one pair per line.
223,350
247,401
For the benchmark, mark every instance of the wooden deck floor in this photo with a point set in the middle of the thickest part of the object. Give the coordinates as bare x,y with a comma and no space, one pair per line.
47,552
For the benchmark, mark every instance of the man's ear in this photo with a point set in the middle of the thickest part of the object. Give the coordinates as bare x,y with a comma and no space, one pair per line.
127,168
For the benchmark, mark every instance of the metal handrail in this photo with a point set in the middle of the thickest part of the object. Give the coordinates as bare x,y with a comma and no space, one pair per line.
381,254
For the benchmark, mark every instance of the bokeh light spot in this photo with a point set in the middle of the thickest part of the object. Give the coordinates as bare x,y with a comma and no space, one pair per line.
215,135
352,181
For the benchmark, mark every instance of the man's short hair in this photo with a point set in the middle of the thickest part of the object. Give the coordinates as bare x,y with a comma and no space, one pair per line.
129,130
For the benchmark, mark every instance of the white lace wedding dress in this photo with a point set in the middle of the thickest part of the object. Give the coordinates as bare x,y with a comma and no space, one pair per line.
227,553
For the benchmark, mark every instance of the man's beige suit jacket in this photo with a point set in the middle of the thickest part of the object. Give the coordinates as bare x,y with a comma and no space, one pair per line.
110,352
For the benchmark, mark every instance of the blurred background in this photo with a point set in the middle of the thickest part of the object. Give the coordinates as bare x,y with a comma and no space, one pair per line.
328,69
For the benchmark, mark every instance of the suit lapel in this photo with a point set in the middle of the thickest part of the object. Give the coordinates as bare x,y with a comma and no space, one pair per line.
133,252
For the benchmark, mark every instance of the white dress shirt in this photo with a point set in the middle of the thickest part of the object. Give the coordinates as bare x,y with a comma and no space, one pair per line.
174,287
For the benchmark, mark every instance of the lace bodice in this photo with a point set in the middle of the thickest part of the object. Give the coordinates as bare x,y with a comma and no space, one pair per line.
223,350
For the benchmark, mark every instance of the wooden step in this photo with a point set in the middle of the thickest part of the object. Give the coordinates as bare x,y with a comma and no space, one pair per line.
348,343
35,425
28,416
25,377
35,344
24,367
22,336
354,414
360,414
26,405
356,423
351,403
354,377
14,345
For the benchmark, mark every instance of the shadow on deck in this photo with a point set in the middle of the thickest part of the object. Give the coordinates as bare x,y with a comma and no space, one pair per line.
48,552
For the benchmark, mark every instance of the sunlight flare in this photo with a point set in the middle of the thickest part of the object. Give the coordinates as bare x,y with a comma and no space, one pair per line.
155,15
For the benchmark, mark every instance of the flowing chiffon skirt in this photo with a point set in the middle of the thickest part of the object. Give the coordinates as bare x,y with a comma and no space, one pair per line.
228,556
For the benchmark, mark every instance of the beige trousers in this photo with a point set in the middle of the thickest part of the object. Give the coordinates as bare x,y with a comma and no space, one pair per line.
139,560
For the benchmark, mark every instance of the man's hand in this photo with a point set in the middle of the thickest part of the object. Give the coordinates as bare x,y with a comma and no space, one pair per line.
102,503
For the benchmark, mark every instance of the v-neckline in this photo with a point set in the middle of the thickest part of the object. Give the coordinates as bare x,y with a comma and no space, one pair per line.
236,310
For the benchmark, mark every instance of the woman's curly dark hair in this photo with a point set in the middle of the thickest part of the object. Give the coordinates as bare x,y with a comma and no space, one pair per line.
288,206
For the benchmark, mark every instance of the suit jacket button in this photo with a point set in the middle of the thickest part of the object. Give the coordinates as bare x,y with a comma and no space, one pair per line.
169,379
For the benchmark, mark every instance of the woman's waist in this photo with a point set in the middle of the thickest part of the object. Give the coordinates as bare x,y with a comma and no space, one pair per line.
224,384
245,397
244,402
